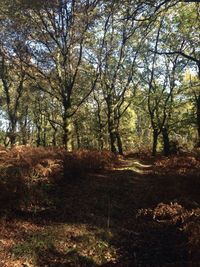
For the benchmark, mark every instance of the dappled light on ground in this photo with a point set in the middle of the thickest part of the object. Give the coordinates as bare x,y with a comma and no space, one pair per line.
135,166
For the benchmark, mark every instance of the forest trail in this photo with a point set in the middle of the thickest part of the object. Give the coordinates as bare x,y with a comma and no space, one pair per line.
136,165
124,217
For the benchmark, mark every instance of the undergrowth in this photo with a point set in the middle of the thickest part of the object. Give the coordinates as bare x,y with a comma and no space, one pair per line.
152,205
26,172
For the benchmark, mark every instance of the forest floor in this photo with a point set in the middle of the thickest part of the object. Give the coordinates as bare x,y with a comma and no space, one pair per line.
143,212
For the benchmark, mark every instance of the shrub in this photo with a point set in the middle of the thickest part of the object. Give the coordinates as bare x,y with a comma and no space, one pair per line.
82,161
178,229
181,165
23,171
12,188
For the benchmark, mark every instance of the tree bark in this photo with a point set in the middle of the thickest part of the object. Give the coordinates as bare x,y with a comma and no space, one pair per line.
12,133
12,138
115,139
119,143
198,118
78,140
38,141
44,137
166,143
112,141
100,141
111,124
155,142
66,133
54,143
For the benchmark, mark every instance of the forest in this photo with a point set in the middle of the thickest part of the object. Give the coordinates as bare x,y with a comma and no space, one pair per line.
99,133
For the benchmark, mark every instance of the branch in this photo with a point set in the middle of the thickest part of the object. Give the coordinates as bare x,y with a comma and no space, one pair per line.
179,53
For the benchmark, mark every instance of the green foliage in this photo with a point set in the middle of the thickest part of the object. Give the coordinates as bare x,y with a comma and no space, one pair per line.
96,82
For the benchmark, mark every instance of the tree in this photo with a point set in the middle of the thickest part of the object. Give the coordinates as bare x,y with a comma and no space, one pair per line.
56,46
184,28
13,83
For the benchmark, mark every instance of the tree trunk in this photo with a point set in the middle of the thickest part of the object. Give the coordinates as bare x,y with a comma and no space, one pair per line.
155,142
38,141
78,140
23,131
100,128
100,137
12,137
112,135
111,128
44,139
198,119
166,143
24,139
12,133
119,143
100,141
112,142
54,143
65,137
66,133
115,139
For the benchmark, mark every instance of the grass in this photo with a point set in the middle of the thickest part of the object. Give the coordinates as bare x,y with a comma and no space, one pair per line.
65,244
33,246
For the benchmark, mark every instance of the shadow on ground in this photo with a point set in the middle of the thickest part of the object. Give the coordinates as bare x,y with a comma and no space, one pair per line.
110,201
